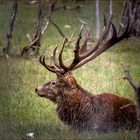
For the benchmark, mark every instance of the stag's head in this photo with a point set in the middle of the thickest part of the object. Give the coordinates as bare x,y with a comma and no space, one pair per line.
82,55
53,89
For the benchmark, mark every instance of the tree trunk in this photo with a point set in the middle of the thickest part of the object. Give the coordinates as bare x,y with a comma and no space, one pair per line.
131,15
97,19
110,8
6,50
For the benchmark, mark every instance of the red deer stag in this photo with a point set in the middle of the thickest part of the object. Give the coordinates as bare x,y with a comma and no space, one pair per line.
78,108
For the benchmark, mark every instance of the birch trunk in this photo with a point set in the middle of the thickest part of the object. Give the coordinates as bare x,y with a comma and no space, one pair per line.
110,8
97,19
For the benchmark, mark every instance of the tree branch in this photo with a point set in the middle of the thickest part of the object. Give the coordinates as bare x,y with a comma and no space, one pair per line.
51,7
10,29
57,27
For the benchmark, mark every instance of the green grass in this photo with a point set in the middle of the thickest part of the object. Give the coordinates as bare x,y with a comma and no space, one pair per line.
21,110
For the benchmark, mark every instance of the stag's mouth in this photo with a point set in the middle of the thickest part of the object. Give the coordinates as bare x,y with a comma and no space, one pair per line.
39,93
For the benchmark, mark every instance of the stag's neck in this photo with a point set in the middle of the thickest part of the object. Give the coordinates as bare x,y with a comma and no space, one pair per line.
84,91
75,93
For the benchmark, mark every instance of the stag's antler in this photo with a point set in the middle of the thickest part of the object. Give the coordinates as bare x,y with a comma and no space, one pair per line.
82,55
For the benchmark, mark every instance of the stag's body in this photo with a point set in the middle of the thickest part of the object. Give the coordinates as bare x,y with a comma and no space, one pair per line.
77,107
84,111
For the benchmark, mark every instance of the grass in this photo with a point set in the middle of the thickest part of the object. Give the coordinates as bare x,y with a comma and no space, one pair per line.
21,110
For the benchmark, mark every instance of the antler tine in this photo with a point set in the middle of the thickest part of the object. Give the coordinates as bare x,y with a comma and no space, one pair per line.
105,21
76,58
42,61
50,68
126,32
106,28
114,31
60,55
83,48
77,47
54,59
108,43
76,53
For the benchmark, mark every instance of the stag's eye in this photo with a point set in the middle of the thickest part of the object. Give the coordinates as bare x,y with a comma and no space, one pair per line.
53,83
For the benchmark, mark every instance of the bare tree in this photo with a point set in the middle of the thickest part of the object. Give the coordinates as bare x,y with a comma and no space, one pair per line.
35,45
136,88
6,50
131,15
41,27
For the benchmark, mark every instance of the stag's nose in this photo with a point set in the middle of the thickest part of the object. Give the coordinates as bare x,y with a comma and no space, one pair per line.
36,90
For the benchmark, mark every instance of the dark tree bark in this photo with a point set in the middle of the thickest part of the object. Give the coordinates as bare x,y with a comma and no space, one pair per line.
35,44
6,50
136,88
131,15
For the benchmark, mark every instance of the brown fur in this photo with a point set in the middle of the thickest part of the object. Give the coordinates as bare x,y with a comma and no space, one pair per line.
84,111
